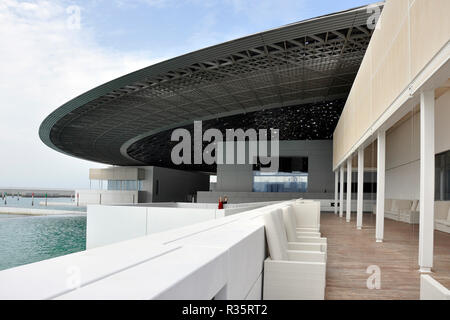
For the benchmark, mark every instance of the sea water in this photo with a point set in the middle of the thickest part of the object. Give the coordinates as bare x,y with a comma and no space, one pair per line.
27,239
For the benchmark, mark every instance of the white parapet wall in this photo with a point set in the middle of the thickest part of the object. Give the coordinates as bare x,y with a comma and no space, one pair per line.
220,258
430,289
110,224
106,197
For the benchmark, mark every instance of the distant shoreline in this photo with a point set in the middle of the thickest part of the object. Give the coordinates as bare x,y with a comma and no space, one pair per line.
38,212
38,192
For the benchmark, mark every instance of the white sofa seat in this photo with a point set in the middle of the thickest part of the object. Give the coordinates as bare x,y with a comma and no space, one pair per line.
290,223
307,214
277,238
308,234
442,216
306,256
293,280
307,229
398,210
387,206
411,217
307,246
401,210
443,222
312,240
291,274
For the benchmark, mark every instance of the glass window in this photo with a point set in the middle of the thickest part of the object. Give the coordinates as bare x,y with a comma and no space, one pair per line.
128,185
280,181
442,186
292,176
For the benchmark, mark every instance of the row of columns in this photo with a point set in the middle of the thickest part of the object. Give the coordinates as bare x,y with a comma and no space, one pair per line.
339,197
427,179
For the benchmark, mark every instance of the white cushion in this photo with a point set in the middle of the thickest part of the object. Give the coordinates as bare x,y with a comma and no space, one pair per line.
290,223
443,222
278,217
276,235
414,205
307,214
448,216
388,204
398,205
394,206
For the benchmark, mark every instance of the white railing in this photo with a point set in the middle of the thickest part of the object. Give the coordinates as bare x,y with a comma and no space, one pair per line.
430,289
110,224
220,258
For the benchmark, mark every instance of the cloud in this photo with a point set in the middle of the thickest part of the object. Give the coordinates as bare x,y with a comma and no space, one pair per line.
43,64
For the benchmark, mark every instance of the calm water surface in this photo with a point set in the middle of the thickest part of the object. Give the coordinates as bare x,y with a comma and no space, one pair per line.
25,239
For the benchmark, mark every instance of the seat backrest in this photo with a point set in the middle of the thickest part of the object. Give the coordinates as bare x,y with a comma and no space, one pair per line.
441,209
401,204
414,205
290,223
388,204
278,217
307,214
276,235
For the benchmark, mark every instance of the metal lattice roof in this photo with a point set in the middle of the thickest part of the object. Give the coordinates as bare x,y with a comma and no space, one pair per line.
306,62
312,121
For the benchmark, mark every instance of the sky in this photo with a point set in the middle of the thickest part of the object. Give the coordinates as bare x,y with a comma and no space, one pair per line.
53,51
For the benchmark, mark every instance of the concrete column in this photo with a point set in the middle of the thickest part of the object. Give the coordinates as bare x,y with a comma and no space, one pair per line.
341,195
381,165
359,209
349,189
336,185
426,226
442,179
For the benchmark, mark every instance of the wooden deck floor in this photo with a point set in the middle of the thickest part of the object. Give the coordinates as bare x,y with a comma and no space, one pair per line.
351,251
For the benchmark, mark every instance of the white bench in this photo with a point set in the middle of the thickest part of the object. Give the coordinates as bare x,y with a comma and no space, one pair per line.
307,215
296,236
292,274
442,216
408,211
401,210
